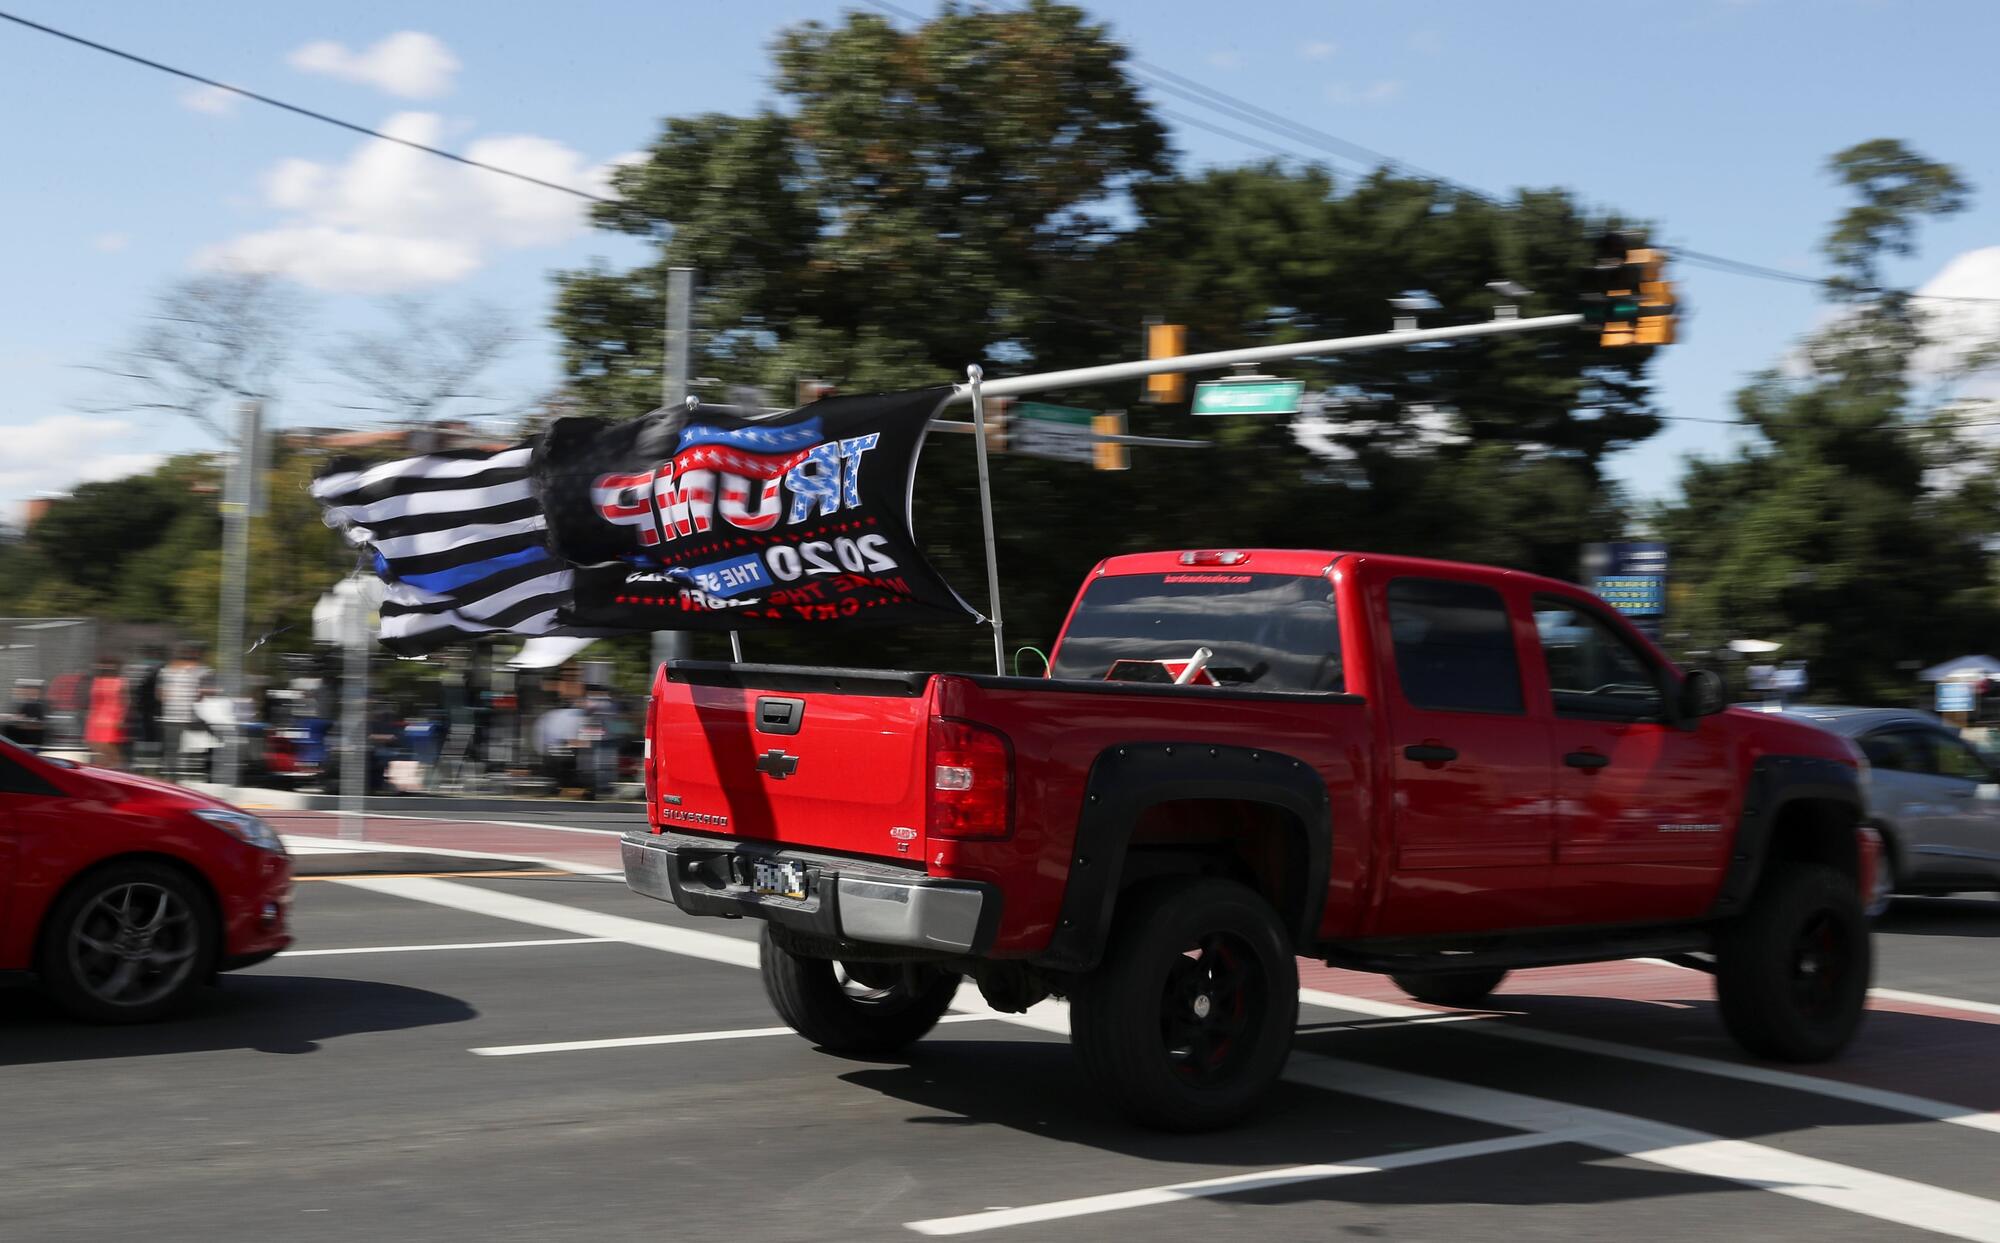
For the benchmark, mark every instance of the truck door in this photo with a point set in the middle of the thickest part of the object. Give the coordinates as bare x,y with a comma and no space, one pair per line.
1470,763
1643,807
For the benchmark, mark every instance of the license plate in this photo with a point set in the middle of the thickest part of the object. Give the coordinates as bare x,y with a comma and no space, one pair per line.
786,880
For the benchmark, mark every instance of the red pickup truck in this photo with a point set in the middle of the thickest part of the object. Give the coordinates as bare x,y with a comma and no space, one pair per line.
1431,770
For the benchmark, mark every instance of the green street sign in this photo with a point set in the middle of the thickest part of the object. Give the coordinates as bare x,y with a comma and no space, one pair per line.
1248,396
1061,433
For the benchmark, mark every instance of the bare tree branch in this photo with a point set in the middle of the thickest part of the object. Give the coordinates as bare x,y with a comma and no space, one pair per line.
425,360
210,342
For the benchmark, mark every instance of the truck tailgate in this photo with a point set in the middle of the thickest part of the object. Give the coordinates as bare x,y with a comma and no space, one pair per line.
828,759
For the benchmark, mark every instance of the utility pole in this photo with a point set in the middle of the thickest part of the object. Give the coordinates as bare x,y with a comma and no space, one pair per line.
673,644
239,498
354,765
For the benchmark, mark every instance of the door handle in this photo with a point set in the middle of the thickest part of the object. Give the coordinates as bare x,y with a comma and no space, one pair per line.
1586,759
1428,754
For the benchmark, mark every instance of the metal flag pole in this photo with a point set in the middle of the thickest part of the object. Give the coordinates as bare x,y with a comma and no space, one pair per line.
1077,376
736,647
973,375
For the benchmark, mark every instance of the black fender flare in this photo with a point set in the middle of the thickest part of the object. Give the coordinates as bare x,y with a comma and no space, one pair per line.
1775,781
1125,780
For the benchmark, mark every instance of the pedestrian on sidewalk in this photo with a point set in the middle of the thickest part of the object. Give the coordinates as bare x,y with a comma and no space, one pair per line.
182,684
104,725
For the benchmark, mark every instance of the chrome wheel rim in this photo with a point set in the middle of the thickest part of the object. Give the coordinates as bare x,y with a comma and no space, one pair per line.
134,944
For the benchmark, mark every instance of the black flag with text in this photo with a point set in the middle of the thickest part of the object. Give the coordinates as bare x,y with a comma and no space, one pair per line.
712,521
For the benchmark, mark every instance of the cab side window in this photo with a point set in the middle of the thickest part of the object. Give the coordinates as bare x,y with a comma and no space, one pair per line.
1896,750
1454,646
1593,671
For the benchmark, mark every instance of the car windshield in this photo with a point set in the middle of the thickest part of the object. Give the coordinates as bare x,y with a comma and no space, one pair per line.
1270,631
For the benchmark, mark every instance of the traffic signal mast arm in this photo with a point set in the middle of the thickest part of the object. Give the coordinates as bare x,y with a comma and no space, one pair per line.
1077,377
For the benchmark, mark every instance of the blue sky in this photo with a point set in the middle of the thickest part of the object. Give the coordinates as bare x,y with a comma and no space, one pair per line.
1712,117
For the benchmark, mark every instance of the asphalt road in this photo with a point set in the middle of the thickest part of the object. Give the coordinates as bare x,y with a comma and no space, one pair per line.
410,1093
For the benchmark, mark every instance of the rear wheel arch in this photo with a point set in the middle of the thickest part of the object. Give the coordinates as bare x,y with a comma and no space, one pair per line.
1157,809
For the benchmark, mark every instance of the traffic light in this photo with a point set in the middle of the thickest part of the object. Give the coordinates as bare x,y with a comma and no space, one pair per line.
1166,341
1106,455
1631,302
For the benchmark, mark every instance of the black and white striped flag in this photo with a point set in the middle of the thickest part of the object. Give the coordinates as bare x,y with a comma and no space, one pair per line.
458,539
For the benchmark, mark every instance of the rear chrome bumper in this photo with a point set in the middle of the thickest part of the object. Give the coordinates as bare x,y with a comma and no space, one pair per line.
846,899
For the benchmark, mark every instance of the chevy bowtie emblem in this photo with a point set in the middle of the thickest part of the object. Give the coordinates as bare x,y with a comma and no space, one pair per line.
775,763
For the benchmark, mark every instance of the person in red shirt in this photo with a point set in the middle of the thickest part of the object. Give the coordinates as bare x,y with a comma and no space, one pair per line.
104,726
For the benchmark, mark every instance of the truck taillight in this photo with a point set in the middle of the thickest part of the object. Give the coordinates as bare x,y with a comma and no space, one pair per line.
972,781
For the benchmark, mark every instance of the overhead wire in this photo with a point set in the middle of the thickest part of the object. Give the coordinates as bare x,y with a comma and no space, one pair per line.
309,113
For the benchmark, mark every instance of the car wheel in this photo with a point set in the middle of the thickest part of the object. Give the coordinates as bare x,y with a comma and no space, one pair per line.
1458,989
1189,1018
1791,973
867,1008
129,943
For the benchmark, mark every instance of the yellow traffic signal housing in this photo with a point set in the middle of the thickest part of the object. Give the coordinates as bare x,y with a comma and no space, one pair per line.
1634,304
996,423
1166,341
1107,456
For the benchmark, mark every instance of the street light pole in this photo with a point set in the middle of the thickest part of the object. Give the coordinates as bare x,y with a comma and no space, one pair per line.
673,644
238,499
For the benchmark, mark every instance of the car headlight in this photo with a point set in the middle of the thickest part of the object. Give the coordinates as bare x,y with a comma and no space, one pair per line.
243,826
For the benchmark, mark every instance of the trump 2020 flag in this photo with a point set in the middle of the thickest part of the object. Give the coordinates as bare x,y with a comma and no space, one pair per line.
711,521
457,538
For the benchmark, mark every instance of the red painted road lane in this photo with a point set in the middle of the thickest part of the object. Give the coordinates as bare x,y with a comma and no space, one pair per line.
591,850
1933,1051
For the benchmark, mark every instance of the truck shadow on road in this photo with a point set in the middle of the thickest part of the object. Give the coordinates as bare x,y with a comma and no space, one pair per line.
263,1013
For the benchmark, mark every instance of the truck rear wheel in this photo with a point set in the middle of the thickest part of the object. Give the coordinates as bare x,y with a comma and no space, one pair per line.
1189,1018
863,1007
1791,973
1457,989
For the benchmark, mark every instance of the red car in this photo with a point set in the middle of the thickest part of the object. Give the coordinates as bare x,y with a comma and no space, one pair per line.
125,895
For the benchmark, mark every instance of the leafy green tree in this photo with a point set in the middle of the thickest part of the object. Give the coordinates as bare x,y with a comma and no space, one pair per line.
1853,532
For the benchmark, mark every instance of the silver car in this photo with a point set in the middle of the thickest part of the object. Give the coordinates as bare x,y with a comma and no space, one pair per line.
1935,799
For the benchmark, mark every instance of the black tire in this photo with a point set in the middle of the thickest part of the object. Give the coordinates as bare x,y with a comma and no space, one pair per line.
1188,1020
129,943
1459,989
861,1008
1791,973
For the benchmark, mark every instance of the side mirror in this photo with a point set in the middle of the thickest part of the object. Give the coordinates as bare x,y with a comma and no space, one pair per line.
1701,695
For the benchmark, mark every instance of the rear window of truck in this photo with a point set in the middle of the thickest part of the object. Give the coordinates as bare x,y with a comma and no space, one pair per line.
1274,632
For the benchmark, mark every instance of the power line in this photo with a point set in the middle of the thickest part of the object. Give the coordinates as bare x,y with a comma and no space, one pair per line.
136,59
1240,109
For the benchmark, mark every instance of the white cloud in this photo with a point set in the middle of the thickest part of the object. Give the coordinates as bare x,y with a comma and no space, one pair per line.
1957,328
210,99
392,218
111,243
409,64
61,450
1318,49
1372,95
1229,59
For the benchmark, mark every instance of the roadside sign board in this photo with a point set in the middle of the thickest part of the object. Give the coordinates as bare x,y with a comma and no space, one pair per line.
1248,396
1635,595
1060,433
1954,697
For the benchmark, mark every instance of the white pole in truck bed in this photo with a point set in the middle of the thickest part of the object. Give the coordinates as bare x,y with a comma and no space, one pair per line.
977,388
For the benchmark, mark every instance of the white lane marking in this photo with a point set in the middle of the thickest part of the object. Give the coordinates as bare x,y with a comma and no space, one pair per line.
687,942
630,1042
639,822
454,945
1083,1206
1842,1187
332,846
1887,994
1932,999
1879,1098
1863,1192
